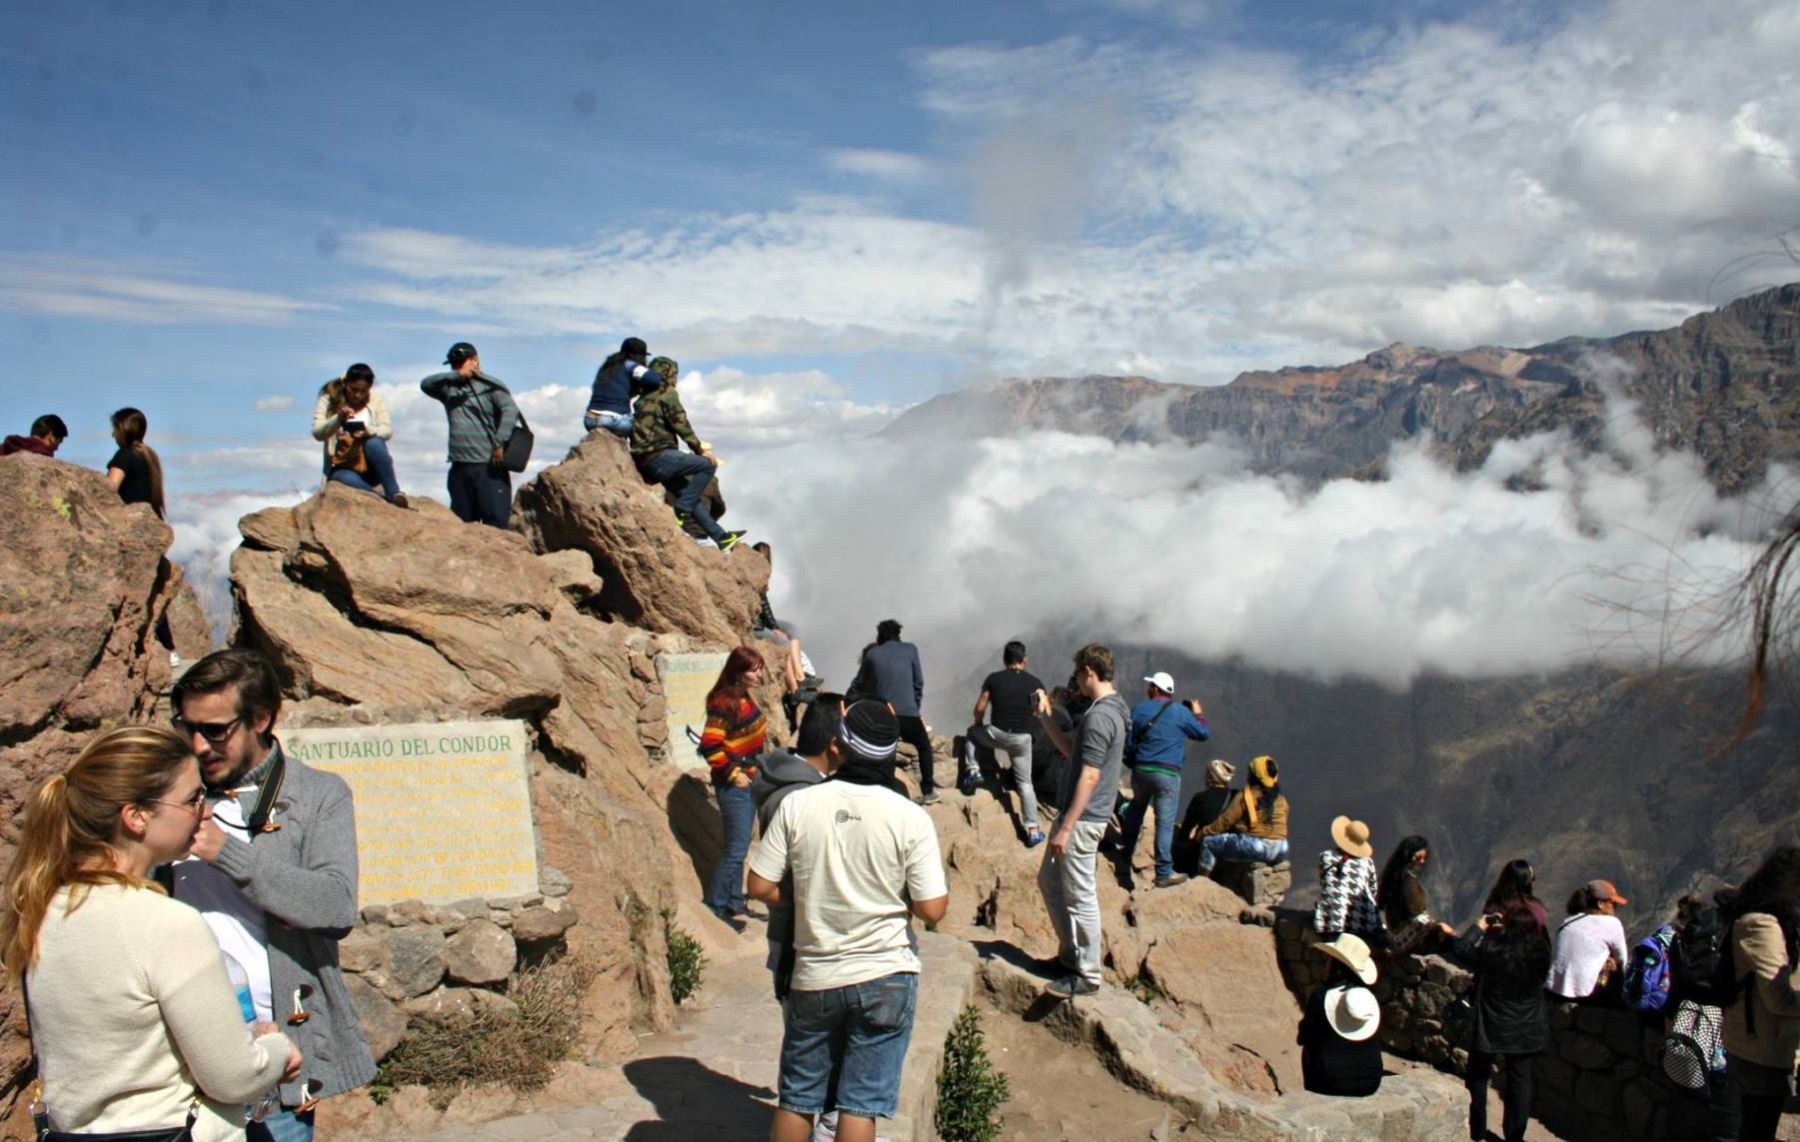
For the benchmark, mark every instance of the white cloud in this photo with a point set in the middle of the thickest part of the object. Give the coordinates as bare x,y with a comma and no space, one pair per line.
149,294
895,165
279,402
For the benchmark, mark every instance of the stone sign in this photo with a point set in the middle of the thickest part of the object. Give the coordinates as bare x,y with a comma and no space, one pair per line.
686,678
443,811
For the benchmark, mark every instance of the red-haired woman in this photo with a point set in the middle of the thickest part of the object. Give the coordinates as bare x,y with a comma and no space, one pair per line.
733,746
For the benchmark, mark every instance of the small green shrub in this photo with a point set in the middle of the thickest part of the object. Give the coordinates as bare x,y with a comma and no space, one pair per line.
1144,988
687,962
970,1091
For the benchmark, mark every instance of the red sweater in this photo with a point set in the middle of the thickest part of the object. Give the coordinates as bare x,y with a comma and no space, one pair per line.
735,730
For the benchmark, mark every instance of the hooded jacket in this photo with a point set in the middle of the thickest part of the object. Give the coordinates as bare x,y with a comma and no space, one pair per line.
783,773
24,444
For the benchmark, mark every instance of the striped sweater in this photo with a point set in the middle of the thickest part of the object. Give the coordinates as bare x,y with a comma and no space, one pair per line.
1347,896
733,740
481,411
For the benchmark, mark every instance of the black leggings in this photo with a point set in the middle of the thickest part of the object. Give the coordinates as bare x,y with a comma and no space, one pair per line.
1516,1097
913,733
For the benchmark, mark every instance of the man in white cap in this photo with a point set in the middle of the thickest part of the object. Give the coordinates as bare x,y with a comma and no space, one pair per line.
1160,730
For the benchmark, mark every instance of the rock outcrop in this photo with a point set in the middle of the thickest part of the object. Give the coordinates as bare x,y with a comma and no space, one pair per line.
85,589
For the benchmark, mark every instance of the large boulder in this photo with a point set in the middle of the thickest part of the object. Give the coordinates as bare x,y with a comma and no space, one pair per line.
88,605
654,577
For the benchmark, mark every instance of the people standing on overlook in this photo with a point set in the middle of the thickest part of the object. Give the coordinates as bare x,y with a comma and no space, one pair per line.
863,863
891,673
1512,892
1160,730
351,419
1405,904
482,418
135,470
1339,1053
1509,953
1347,885
1254,825
732,745
46,436
1096,757
130,1013
1591,948
273,870
659,428
620,377
1009,700
1762,1026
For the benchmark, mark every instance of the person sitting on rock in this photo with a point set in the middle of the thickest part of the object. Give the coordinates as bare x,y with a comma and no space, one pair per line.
794,670
659,429
1339,1053
351,419
620,377
135,470
1347,885
1405,904
1591,947
1203,809
1161,727
1254,825
47,434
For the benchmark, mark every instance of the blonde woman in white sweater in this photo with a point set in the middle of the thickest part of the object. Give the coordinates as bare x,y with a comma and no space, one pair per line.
134,1021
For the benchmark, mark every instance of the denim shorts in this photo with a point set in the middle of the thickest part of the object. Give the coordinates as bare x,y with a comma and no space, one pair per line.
862,1030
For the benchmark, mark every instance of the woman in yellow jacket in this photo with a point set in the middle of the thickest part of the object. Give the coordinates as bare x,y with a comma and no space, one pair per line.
1762,1028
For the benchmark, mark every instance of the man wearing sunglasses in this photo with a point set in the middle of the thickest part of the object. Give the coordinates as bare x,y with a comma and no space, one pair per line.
273,871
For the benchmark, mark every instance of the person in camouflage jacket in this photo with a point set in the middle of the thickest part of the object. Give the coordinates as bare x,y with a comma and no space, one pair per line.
656,438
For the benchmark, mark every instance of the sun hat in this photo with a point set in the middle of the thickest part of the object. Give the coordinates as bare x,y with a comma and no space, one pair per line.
1353,1012
1352,837
1161,681
1350,950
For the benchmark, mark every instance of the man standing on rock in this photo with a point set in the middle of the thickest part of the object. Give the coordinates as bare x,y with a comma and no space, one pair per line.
1160,731
482,418
864,861
1089,788
891,673
1010,697
273,871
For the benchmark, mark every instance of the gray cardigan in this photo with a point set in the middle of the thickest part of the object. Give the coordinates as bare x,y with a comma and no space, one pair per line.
891,672
303,876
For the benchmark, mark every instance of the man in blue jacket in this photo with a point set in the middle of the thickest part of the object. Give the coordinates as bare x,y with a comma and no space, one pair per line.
1160,730
891,673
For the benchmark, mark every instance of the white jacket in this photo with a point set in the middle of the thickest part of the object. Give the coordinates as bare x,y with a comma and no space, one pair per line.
326,423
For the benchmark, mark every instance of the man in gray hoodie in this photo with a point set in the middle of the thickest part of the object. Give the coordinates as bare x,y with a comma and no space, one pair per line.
815,754
891,673
274,871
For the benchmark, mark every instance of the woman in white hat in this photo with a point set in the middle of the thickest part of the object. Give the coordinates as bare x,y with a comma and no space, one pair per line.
1339,1053
1347,881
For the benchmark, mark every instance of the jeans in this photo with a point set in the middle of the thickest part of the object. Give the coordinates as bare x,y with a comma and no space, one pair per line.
381,467
617,423
859,1032
480,492
738,811
1238,846
1073,899
1161,791
282,1126
1516,1098
687,475
1757,1094
1017,748
913,733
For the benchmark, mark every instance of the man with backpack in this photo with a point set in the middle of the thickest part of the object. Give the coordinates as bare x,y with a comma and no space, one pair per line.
1160,730
482,419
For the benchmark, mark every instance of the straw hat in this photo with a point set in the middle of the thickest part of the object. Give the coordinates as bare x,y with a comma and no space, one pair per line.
1350,950
1352,837
1353,1012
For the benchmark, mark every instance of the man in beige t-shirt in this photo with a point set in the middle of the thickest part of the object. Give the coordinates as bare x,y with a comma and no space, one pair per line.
864,861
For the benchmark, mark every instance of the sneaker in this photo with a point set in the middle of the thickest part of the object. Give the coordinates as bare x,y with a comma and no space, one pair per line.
692,526
1171,880
399,500
1034,838
1070,986
929,797
731,540
706,541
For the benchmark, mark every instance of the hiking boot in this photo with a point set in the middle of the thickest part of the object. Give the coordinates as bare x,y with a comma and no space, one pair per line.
1171,880
929,797
731,540
399,500
1070,986
1034,838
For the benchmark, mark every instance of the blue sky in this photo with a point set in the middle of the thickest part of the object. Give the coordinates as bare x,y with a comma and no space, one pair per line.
828,212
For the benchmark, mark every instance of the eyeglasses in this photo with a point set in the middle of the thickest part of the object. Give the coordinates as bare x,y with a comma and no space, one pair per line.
189,803
214,732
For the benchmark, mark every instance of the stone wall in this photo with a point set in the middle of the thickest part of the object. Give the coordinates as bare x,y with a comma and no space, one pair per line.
1601,1077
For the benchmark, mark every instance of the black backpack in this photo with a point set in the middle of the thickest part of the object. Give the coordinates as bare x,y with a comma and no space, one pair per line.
1701,964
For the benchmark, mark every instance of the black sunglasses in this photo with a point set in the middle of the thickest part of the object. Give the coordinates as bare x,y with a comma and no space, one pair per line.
214,732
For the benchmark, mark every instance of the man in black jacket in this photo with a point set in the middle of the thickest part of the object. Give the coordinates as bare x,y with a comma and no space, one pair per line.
891,673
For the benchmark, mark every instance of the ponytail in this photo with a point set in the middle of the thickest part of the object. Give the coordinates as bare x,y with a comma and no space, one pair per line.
130,426
70,823
154,463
